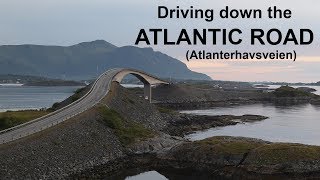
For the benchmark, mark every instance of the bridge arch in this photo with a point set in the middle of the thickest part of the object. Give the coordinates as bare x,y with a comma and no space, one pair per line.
147,80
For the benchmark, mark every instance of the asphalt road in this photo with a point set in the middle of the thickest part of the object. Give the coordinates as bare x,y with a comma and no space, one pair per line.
98,91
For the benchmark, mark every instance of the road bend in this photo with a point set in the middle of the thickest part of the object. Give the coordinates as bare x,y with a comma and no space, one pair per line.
99,90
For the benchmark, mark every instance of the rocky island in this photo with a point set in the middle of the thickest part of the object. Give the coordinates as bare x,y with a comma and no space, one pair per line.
125,131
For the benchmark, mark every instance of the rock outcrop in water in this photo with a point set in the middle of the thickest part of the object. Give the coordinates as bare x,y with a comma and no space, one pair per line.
85,141
191,97
188,123
139,134
90,140
237,157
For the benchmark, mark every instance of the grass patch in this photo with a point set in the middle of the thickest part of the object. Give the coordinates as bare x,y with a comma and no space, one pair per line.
13,118
223,145
278,153
260,152
54,106
165,110
77,94
127,132
75,97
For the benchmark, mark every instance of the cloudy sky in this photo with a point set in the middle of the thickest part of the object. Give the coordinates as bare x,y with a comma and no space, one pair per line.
67,22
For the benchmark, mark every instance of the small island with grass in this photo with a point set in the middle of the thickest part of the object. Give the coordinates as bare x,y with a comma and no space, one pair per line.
127,132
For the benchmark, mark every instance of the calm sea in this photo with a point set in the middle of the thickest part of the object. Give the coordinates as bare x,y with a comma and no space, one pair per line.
297,123
25,97
285,124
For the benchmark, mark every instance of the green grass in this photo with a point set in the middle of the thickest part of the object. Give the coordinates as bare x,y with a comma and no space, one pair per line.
54,106
127,132
77,94
12,118
277,153
234,146
260,153
165,110
75,97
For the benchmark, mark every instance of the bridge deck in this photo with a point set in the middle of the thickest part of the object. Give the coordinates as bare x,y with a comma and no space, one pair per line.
99,90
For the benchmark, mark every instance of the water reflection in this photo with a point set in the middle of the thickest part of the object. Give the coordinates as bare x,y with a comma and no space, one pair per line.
154,175
164,174
28,97
298,123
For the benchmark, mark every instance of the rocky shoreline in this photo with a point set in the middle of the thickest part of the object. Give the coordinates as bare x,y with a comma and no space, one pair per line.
221,157
228,156
188,123
181,97
125,132
217,157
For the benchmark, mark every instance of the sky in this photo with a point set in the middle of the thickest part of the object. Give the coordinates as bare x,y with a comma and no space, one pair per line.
61,22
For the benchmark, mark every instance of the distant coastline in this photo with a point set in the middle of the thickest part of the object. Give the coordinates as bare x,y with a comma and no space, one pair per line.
10,80
11,84
290,84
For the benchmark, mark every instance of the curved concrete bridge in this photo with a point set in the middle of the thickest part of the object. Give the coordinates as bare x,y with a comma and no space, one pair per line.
99,89
148,80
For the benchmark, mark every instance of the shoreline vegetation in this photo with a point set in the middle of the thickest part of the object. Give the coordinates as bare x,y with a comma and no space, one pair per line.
221,156
10,119
190,124
30,80
150,136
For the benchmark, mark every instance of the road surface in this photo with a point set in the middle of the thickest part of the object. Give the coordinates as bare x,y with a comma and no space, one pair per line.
99,90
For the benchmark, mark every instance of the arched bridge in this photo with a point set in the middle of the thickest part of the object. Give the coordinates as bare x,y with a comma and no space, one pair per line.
148,80
99,89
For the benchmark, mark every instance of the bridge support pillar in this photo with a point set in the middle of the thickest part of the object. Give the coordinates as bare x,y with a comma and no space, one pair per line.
147,92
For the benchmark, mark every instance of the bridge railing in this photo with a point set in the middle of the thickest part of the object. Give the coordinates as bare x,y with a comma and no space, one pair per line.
55,112
64,108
